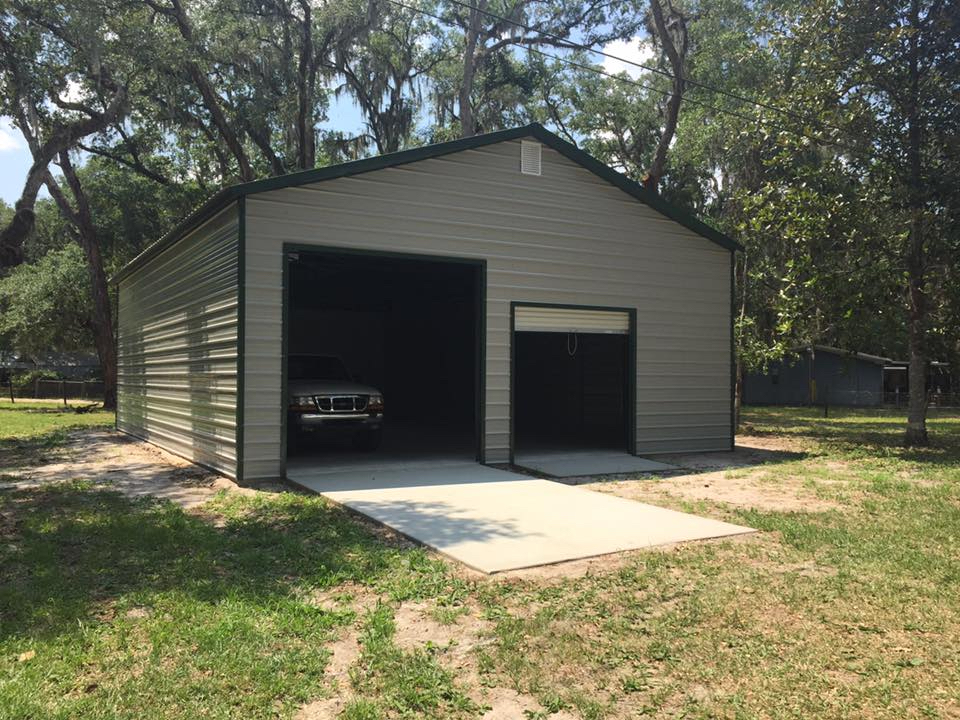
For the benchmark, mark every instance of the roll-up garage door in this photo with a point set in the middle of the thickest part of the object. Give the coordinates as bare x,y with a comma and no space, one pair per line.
567,320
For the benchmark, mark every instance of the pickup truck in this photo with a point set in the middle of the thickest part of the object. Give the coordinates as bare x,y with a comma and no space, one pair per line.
326,401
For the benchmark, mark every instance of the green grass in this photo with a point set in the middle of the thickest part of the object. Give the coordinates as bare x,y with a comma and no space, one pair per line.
401,682
135,608
28,429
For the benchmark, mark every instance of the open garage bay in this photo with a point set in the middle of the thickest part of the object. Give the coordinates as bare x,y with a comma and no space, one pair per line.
366,326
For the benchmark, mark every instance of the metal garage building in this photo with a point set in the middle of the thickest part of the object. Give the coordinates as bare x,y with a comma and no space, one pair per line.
506,287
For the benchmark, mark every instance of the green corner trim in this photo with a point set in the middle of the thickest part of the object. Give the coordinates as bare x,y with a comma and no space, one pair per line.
241,330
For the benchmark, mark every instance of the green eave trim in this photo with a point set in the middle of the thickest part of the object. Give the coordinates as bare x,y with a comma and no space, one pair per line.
223,198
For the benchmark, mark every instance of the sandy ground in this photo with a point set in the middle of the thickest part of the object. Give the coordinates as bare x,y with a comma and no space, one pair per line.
741,479
119,462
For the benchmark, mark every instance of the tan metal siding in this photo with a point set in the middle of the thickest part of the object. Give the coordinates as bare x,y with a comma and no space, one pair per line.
564,237
177,346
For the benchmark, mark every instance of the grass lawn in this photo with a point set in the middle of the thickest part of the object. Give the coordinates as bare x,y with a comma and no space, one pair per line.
266,605
28,428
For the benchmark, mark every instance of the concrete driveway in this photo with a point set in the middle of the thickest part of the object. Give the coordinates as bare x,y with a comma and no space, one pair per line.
494,520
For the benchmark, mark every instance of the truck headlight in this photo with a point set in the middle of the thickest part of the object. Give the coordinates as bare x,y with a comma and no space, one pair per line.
302,403
375,403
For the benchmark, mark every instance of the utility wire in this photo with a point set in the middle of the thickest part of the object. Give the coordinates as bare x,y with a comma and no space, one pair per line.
650,68
636,83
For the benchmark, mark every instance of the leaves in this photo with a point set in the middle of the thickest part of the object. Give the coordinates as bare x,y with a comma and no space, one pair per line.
46,305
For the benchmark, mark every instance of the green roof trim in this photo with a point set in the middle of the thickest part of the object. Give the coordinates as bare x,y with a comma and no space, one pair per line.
228,195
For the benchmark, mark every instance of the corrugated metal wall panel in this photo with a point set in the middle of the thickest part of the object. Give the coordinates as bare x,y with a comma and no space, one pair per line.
564,237
177,346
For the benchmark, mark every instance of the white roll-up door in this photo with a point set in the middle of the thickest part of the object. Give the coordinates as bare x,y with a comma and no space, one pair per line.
558,319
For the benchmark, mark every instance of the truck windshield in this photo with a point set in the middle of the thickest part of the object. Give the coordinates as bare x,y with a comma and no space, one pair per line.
316,367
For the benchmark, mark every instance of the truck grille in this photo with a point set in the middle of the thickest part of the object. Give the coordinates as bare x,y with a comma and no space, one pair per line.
341,403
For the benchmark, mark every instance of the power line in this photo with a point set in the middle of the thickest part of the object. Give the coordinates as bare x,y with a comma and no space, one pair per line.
650,68
636,83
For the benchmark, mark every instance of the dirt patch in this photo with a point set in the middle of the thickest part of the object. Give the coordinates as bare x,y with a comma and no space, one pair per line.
115,461
346,596
344,651
750,450
416,628
733,478
325,709
744,478
507,704
742,490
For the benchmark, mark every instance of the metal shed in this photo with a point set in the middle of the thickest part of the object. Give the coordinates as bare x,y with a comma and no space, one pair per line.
550,288
818,374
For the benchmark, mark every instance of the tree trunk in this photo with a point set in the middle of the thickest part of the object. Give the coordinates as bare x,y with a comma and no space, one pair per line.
306,150
102,320
676,56
916,262
738,377
738,394
917,408
211,99
467,123
61,137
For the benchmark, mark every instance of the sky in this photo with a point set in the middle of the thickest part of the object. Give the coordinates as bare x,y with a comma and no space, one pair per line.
14,161
343,115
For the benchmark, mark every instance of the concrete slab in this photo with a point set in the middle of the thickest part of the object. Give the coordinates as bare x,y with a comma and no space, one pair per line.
494,520
575,463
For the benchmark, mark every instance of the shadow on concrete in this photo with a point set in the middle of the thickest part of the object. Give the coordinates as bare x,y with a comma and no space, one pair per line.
441,525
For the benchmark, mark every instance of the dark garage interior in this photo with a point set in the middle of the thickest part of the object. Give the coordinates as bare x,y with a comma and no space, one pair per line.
570,391
406,327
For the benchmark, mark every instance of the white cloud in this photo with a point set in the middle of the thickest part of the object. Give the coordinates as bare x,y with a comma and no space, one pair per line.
10,138
636,50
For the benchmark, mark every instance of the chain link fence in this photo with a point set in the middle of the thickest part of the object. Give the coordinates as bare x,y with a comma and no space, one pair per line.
934,400
52,389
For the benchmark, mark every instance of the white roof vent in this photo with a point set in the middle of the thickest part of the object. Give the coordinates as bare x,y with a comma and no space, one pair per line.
529,157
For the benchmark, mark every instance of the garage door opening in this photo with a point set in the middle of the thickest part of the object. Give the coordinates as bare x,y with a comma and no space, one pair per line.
572,380
382,358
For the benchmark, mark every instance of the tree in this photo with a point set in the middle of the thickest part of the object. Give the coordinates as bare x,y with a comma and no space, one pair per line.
45,305
78,214
484,42
383,70
38,55
893,69
670,29
794,139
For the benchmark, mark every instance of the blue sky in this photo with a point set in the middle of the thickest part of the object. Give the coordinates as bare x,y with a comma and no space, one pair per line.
14,161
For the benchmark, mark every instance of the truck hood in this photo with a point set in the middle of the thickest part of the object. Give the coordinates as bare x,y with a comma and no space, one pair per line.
329,387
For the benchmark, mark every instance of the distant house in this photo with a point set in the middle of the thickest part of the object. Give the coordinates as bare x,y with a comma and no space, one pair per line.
819,374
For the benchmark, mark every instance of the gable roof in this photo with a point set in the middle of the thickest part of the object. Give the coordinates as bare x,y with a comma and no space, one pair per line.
227,195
